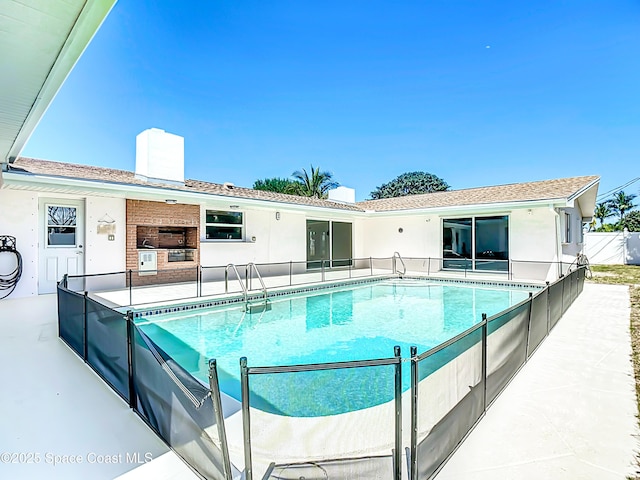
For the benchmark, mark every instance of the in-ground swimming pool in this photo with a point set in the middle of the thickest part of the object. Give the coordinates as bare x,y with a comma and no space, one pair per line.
355,322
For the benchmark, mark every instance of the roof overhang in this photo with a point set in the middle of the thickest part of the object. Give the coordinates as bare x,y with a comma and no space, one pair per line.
40,41
151,192
585,198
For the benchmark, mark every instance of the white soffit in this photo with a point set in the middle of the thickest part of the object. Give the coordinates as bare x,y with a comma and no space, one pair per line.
40,41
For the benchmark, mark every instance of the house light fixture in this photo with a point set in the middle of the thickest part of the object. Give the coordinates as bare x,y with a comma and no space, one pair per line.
277,215
234,206
170,201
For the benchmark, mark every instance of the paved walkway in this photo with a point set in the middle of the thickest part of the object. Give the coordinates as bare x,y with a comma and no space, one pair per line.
569,414
59,419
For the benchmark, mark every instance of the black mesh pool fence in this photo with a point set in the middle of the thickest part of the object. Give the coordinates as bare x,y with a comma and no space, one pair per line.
334,420
107,349
452,385
539,321
177,407
447,390
506,346
184,412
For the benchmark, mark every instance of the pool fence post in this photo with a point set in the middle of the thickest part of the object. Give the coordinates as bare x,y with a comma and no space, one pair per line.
322,269
484,360
246,423
526,355
130,353
198,275
548,307
214,387
371,265
429,267
130,287
290,272
398,396
413,469
85,347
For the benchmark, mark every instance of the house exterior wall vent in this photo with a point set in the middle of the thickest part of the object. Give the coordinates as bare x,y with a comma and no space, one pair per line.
160,157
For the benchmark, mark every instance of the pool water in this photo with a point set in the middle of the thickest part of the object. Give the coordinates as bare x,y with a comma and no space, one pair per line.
356,322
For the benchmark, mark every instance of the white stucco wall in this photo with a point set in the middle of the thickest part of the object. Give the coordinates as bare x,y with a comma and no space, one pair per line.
101,254
420,236
276,240
575,245
533,244
532,235
19,218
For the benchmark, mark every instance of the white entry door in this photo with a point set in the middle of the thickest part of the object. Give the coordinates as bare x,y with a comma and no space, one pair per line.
61,242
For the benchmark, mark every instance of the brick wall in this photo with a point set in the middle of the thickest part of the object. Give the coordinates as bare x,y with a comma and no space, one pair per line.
144,218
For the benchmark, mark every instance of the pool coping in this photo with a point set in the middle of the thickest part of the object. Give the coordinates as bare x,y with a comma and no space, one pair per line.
238,298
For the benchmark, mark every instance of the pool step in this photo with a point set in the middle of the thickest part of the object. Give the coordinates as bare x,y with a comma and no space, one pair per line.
258,307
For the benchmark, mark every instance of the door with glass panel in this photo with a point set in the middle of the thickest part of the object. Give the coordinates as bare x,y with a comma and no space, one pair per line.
492,243
476,243
341,244
328,241
318,249
457,243
61,244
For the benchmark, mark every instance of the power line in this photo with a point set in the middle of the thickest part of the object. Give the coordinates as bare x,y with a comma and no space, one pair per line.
617,189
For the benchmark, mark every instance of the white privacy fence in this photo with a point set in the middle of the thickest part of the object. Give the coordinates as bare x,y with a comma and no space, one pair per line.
612,248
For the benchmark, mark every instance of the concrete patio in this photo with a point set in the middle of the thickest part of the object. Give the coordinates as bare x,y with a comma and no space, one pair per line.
569,413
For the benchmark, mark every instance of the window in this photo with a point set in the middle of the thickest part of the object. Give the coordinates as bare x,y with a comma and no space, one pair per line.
61,226
221,225
476,243
567,228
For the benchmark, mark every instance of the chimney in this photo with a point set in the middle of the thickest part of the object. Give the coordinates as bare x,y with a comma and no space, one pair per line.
160,157
342,195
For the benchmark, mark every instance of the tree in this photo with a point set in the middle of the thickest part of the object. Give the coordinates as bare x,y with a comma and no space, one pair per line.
602,211
410,183
279,185
631,221
622,203
316,184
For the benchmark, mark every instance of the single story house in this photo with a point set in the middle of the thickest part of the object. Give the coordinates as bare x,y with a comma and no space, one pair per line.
78,219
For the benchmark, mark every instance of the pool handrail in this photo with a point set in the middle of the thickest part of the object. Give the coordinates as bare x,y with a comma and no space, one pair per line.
226,280
396,256
248,269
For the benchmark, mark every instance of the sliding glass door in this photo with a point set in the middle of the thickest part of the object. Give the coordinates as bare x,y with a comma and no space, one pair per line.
476,243
317,242
492,243
457,243
329,241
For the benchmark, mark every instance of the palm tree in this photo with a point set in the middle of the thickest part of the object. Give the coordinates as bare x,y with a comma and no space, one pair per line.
602,211
317,184
622,203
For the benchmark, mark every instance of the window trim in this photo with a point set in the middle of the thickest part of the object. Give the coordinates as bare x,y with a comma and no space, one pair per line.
233,225
566,235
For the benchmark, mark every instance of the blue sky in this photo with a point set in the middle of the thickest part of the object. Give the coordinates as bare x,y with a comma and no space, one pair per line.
476,92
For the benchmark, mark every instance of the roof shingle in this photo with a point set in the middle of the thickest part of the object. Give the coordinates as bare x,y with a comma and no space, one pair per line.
516,192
